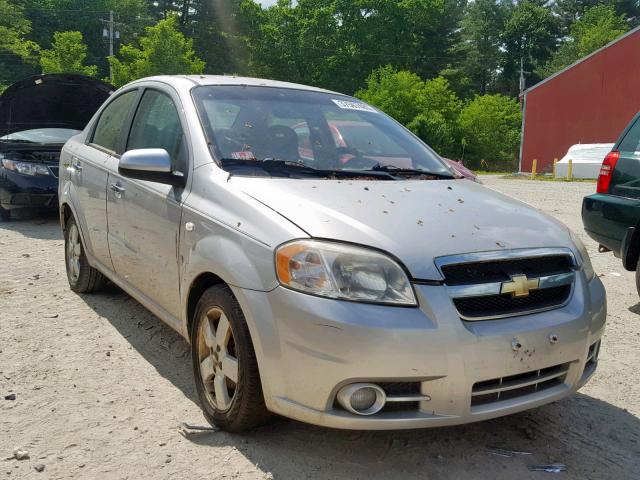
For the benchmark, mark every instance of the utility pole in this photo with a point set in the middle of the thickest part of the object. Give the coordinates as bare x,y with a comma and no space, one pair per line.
523,82
111,33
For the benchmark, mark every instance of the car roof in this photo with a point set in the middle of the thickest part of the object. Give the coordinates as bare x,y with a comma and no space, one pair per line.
200,80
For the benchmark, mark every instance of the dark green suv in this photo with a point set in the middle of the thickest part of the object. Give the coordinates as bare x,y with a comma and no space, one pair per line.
612,215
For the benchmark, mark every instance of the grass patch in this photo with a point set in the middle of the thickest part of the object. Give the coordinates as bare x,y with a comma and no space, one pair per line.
485,172
547,178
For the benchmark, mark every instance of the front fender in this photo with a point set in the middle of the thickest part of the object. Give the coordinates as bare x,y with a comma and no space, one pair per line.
239,261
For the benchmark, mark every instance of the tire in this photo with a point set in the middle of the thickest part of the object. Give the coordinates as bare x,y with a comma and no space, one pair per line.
83,278
224,363
5,215
638,277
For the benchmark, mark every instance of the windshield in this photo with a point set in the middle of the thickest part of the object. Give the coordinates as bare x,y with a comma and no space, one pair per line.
41,135
320,131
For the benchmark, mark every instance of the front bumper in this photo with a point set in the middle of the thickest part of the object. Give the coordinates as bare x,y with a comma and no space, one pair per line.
309,347
26,191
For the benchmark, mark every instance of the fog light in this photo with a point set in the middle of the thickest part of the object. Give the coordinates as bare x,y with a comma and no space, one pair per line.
362,398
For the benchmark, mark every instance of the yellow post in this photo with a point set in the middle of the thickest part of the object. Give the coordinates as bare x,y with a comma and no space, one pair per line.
534,168
570,170
555,165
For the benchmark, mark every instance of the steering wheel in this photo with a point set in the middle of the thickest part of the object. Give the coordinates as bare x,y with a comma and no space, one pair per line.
352,159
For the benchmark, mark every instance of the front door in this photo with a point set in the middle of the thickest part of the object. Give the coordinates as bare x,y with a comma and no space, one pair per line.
144,217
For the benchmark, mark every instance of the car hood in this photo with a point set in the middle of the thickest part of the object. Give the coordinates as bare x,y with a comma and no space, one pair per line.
416,221
53,100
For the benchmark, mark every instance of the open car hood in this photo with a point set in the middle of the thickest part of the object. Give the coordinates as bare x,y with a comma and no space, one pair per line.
51,101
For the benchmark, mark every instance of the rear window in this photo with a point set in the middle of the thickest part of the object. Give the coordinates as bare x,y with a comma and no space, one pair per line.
631,141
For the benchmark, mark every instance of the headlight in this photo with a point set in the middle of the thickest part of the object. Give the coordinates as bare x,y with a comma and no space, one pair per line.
344,272
585,260
25,168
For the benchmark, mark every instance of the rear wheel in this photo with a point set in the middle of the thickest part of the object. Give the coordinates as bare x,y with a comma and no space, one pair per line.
224,363
638,277
83,278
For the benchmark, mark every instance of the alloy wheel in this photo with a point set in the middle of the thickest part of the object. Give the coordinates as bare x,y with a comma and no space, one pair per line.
74,250
218,359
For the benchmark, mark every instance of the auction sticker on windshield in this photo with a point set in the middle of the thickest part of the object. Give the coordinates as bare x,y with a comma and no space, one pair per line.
348,105
244,155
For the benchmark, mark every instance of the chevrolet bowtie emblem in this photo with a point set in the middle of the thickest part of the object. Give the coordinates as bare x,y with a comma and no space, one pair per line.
520,286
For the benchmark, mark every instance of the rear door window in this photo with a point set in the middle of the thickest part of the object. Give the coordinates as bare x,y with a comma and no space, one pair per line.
157,125
108,131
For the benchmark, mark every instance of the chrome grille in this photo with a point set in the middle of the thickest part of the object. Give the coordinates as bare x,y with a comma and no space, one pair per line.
514,386
502,270
477,282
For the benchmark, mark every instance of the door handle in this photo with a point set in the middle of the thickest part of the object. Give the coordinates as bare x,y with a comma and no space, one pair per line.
118,190
75,163
76,166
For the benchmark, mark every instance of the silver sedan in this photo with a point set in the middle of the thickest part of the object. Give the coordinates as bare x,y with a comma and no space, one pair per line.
354,282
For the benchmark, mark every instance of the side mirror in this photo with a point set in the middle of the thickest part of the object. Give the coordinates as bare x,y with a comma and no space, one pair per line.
151,164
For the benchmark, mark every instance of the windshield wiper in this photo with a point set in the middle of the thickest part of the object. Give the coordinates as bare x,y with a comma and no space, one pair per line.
274,165
410,172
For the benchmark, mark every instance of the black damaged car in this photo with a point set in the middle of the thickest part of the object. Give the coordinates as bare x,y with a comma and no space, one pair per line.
37,116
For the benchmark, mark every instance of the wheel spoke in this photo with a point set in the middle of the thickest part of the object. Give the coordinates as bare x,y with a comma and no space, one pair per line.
74,235
230,368
222,394
75,268
222,333
206,369
209,336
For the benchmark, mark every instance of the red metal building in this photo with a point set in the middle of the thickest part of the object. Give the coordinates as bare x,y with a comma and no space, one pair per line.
590,101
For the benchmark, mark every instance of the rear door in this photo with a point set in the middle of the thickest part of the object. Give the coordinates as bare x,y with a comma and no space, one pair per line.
89,167
144,217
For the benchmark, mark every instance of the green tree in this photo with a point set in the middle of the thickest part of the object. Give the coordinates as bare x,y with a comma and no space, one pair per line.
162,51
49,16
597,27
437,124
490,130
530,34
430,109
14,27
569,11
399,94
336,44
67,55
476,57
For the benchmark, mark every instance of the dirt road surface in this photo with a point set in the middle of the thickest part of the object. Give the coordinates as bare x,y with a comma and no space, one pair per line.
101,386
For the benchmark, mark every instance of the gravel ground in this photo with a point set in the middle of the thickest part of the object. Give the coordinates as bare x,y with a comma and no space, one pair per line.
101,386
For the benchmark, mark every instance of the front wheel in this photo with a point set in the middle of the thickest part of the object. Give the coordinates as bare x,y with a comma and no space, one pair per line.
224,363
83,278
5,215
